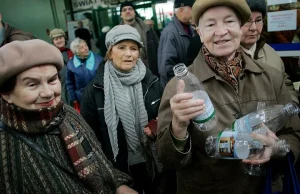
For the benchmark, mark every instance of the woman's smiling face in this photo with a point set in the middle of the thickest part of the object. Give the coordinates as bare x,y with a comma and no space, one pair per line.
220,31
36,88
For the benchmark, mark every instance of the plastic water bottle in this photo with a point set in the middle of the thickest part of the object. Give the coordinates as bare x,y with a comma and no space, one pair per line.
228,145
274,117
207,120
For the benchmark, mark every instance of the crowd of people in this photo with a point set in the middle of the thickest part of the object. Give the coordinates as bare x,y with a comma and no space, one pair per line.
73,121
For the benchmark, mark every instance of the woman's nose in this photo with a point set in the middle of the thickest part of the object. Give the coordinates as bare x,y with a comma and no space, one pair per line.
221,30
46,92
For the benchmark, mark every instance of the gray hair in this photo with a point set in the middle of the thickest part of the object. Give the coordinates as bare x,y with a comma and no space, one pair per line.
75,44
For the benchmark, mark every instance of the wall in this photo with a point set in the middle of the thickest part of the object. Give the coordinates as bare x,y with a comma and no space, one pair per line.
34,16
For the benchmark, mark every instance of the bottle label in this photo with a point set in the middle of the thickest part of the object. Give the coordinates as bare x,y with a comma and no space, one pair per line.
225,145
209,108
242,124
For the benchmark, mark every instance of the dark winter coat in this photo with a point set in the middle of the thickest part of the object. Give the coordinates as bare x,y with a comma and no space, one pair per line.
92,110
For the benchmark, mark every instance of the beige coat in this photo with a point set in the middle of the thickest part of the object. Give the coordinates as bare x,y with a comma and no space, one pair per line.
269,56
197,173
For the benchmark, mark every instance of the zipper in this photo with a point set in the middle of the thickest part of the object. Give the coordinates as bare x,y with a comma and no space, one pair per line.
149,87
98,87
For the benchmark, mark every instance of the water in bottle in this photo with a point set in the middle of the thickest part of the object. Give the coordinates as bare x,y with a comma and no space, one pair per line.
208,119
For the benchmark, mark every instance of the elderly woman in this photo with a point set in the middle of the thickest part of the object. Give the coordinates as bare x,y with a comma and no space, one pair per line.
46,147
254,44
119,103
81,69
58,38
235,84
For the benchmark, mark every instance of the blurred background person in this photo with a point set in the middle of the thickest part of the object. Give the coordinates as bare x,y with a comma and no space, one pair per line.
9,33
119,103
254,43
30,91
100,44
148,54
150,22
81,69
58,38
175,39
83,34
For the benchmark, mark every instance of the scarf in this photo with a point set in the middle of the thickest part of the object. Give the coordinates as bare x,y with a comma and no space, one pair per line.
228,70
117,105
69,52
82,147
37,121
90,61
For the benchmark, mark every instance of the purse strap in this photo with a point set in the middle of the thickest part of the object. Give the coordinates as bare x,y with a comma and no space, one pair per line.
40,151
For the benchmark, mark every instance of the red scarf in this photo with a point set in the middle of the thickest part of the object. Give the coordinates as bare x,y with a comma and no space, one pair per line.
69,52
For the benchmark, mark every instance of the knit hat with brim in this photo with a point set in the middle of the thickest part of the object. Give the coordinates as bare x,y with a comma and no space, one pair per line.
241,6
258,5
120,33
19,56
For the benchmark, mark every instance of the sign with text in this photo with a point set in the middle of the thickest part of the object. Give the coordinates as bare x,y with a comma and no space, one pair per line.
282,20
86,4
276,2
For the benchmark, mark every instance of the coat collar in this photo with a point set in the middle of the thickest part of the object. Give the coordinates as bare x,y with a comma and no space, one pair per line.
180,28
204,72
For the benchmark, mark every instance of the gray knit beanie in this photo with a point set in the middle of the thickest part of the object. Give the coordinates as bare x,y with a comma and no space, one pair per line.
122,32
258,5
19,56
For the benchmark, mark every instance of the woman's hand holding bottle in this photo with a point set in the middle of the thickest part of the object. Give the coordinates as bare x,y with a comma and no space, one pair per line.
272,146
184,108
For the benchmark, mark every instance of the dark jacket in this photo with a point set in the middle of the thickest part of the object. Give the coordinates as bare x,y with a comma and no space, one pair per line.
78,78
12,34
151,45
198,173
172,49
83,34
193,49
92,110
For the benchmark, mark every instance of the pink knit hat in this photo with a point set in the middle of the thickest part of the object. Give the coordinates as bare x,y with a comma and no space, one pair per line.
19,56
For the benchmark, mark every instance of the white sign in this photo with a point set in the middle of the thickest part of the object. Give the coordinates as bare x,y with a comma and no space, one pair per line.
276,2
86,4
282,20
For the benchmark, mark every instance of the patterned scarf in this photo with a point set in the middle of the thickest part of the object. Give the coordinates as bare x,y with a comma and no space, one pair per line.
85,159
228,70
117,105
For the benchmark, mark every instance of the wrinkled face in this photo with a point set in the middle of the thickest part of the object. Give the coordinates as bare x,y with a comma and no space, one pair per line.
252,30
83,50
127,14
124,55
59,42
220,31
38,87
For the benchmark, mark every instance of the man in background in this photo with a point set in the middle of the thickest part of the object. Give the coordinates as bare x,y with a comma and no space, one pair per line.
9,33
83,34
148,54
175,40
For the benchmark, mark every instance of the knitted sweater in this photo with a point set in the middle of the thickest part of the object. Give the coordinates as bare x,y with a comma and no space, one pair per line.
21,168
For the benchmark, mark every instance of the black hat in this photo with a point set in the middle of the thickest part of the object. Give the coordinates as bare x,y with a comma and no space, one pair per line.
182,3
258,5
126,3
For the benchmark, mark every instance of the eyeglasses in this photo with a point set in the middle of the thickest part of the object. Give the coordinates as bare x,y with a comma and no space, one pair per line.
257,22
